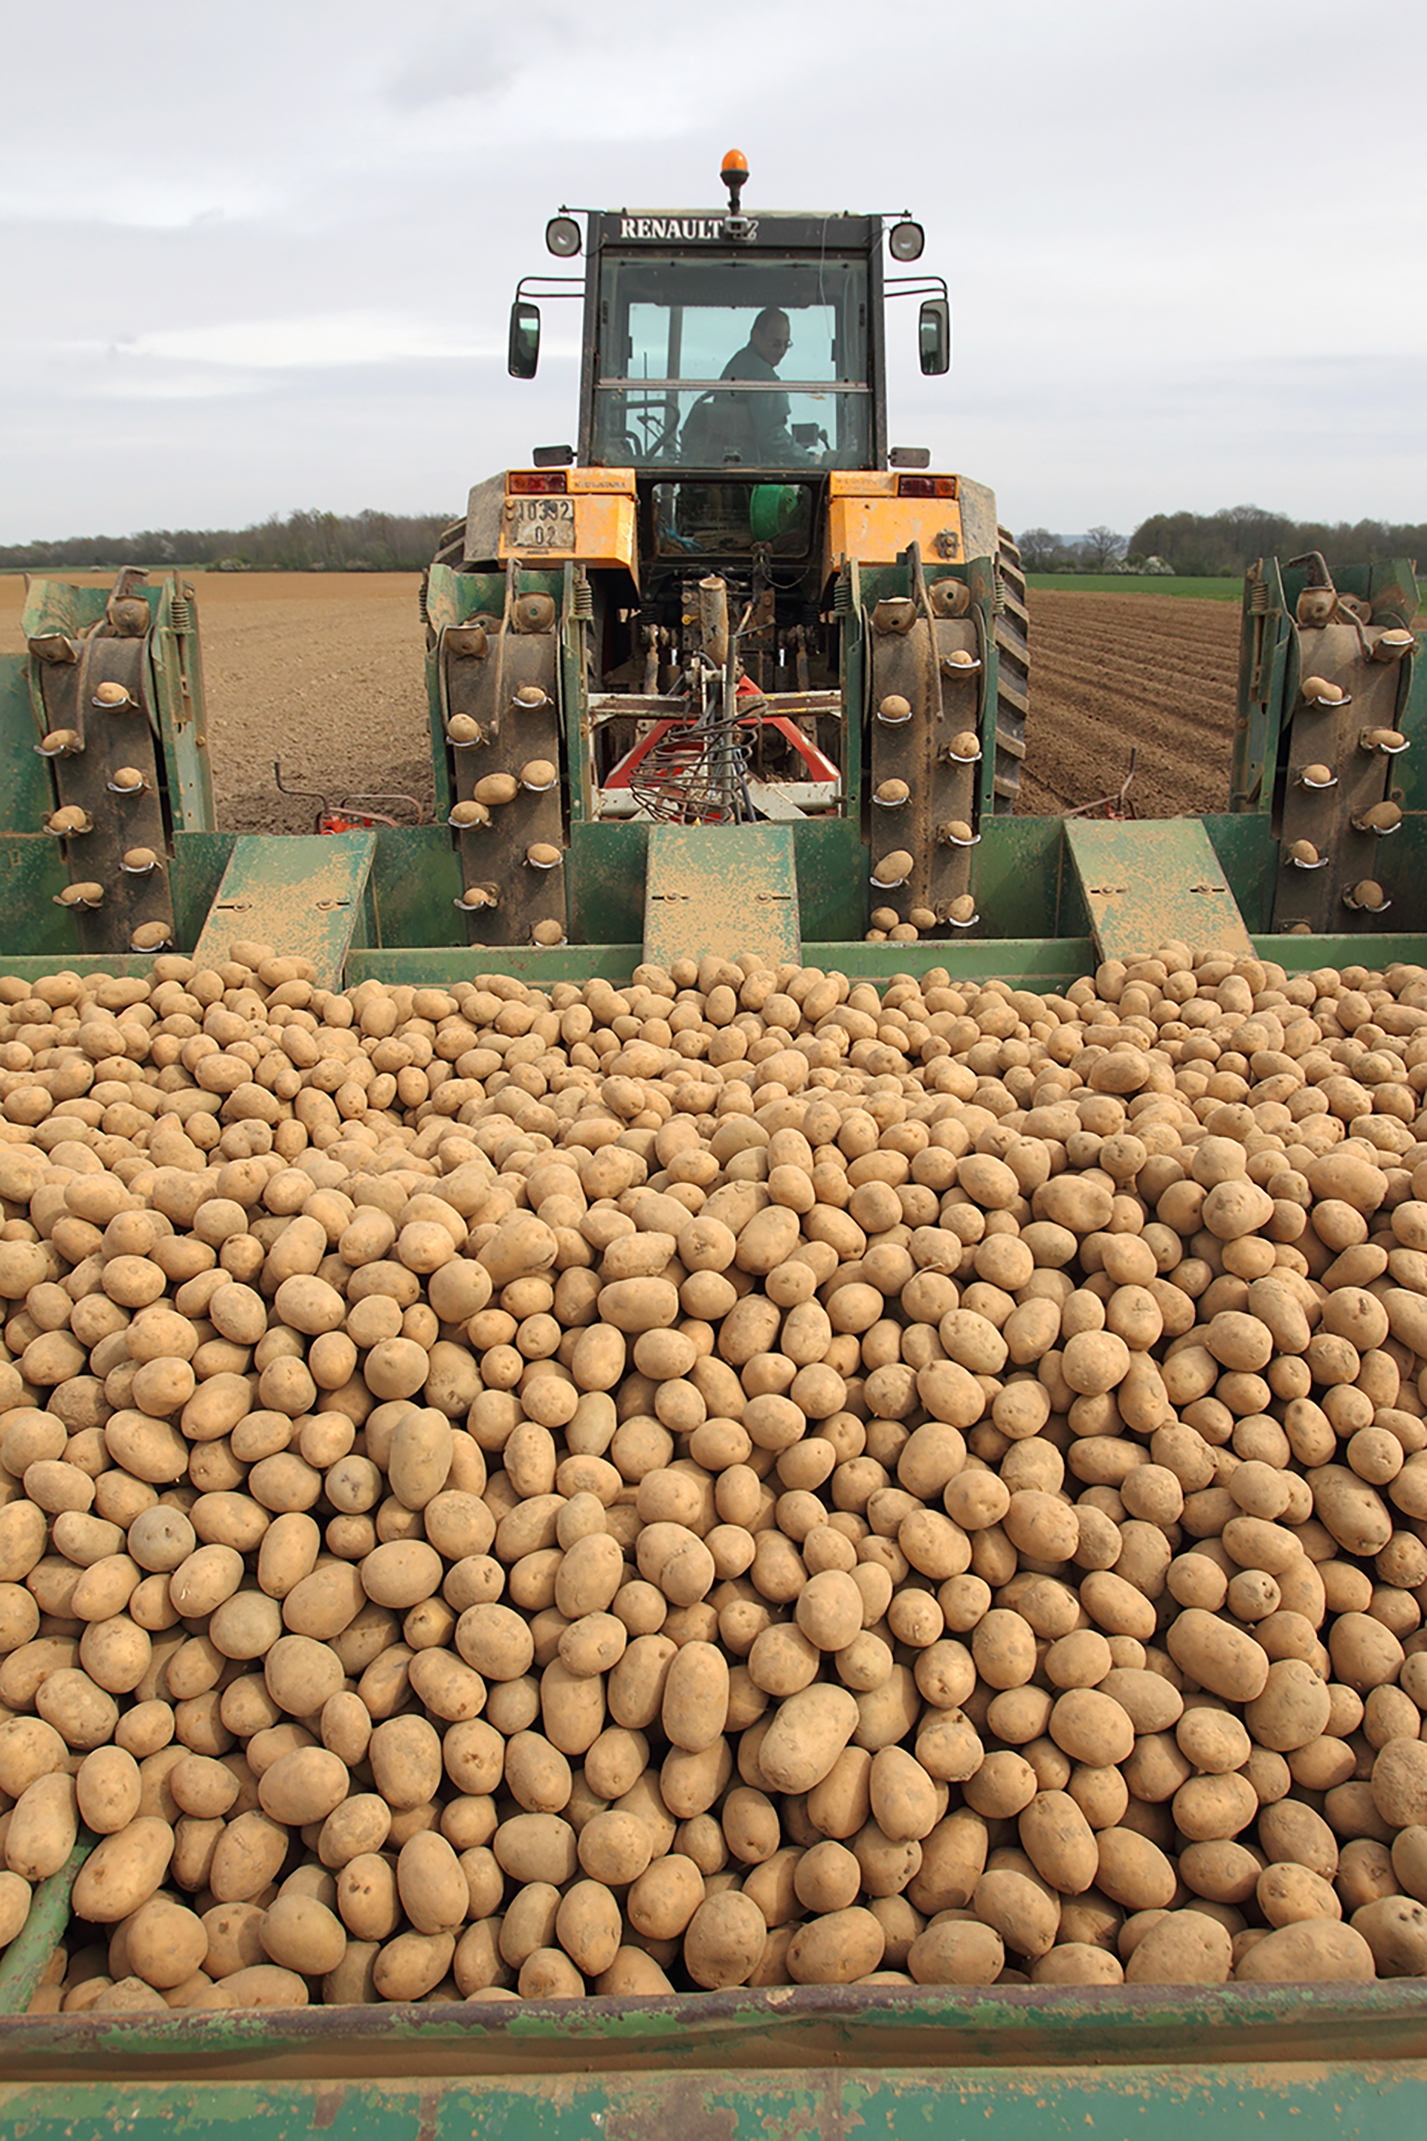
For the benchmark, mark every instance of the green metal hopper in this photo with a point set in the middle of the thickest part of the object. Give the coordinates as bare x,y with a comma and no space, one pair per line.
1053,898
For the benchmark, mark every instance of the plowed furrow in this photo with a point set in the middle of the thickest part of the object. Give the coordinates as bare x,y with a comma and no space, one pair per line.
1112,673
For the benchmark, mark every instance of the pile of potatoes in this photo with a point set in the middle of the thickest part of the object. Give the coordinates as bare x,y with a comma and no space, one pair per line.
741,1479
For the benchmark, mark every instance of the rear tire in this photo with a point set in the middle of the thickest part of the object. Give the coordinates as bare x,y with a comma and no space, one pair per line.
1013,663
450,550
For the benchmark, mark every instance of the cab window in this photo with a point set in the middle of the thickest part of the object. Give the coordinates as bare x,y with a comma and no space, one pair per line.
732,363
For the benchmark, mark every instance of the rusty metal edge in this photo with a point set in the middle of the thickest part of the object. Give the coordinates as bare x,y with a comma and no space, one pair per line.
779,2028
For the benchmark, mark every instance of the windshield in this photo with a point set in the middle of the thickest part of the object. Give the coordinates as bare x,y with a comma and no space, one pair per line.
727,362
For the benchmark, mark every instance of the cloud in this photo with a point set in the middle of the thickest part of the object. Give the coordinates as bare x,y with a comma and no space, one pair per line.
475,64
175,384
560,76
1174,241
321,340
144,203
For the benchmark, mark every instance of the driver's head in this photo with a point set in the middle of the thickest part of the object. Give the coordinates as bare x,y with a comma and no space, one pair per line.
770,335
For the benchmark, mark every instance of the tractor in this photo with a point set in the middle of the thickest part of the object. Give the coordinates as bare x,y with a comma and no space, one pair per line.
729,675
730,605
729,681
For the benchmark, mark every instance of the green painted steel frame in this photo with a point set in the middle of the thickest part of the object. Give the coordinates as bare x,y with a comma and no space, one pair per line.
1046,965
26,788
1343,2063
573,676
733,894
1153,880
605,867
1033,924
849,599
1032,913
1264,638
1346,2062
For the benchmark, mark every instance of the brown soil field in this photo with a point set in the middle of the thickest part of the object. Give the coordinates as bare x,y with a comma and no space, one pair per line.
323,671
1156,674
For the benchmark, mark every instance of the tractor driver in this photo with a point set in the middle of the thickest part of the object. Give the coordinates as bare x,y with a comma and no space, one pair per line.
765,416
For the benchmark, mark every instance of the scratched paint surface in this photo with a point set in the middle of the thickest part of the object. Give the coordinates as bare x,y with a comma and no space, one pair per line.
1148,884
736,893
1366,2103
302,895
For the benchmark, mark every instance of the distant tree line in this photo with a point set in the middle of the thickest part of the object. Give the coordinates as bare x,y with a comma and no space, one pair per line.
1216,544
1098,550
304,542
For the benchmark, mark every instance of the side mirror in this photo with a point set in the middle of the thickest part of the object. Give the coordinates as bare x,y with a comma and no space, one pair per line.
933,336
524,351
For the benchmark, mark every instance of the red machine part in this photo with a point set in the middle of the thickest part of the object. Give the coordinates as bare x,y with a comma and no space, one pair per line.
818,767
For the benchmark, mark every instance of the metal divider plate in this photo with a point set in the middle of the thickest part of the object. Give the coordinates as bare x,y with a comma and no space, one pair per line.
1152,881
302,894
723,889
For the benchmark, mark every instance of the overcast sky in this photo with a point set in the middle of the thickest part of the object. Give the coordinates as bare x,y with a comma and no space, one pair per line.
259,256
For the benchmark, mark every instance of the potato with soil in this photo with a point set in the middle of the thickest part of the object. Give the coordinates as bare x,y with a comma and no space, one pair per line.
821,1479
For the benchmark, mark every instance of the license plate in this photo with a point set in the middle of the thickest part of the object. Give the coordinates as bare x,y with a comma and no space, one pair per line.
542,524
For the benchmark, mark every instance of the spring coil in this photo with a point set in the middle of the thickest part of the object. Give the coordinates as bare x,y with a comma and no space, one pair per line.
696,774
